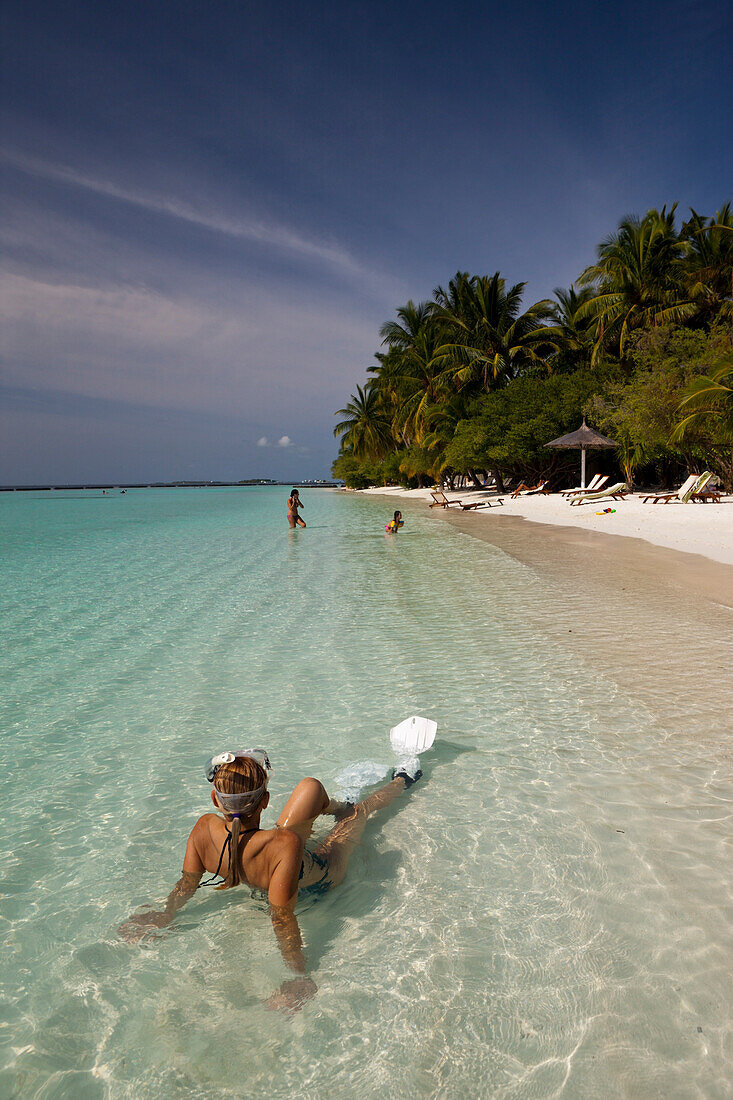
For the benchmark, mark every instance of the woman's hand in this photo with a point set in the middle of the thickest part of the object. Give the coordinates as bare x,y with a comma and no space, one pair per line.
143,925
292,995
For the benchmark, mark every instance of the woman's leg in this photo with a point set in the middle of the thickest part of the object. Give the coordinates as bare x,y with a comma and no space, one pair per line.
343,838
291,521
301,522
307,802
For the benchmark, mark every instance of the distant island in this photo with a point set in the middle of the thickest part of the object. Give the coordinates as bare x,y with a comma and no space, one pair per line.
173,485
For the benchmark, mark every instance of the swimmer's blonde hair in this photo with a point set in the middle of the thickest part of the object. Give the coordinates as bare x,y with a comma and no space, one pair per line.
238,777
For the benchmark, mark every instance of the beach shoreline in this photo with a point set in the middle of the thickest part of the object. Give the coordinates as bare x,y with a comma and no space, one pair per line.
639,612
694,531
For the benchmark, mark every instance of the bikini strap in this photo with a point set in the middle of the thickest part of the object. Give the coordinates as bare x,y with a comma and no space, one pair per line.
227,844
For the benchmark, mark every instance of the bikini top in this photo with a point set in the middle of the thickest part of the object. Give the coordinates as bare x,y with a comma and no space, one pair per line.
226,845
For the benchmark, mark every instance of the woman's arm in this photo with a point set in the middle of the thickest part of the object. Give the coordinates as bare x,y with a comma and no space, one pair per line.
282,895
143,924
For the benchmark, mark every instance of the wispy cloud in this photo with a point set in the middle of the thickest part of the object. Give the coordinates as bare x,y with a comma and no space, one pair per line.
250,229
284,441
177,352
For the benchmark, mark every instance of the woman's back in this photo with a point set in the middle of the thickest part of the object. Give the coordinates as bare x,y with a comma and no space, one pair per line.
257,849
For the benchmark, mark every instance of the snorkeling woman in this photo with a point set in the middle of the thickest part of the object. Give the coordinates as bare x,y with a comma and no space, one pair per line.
395,523
230,845
294,503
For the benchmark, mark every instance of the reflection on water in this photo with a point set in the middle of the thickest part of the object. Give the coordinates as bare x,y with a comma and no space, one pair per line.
548,913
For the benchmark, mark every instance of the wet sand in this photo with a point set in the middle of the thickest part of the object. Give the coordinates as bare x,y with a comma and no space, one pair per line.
611,559
657,621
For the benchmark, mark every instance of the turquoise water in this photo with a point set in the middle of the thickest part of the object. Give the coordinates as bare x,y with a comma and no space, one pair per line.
547,914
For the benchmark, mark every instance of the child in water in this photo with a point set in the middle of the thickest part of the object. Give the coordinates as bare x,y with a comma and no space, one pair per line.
230,845
394,524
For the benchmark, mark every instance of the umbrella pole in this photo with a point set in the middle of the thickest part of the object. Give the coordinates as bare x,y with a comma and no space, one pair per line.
582,467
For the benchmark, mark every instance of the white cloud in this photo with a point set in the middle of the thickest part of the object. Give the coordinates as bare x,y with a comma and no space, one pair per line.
284,441
262,441
251,229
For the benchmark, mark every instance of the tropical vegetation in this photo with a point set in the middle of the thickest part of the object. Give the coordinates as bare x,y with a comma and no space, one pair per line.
476,382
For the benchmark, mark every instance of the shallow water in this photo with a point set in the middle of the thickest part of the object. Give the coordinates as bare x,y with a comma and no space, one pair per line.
547,914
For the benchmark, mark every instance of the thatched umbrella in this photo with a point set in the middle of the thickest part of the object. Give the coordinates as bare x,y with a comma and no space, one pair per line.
584,438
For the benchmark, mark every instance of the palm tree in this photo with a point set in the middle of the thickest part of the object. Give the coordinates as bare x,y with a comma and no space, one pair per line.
488,340
366,430
577,334
707,268
413,319
411,373
421,382
636,280
441,421
709,396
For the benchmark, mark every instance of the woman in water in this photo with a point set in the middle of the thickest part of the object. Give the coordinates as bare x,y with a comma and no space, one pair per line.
230,845
394,524
294,503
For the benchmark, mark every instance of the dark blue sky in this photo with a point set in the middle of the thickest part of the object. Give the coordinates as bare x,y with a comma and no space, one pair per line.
210,208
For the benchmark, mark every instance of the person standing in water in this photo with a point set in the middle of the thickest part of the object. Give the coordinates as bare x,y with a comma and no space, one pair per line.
235,849
394,524
294,503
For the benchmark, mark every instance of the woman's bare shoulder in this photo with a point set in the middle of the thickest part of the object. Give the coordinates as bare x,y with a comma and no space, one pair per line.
279,840
204,824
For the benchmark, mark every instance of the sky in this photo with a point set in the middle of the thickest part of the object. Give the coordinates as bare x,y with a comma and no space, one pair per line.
209,209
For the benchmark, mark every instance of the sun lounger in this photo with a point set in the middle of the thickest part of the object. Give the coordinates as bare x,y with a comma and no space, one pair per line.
481,504
527,490
615,492
440,500
595,485
683,493
701,492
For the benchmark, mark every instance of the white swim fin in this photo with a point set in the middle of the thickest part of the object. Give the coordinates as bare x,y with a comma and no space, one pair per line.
413,736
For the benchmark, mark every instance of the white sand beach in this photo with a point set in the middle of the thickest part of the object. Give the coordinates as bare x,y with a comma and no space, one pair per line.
705,529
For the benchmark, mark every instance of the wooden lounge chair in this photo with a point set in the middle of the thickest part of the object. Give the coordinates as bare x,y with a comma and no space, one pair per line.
615,492
440,500
527,490
684,493
595,486
482,504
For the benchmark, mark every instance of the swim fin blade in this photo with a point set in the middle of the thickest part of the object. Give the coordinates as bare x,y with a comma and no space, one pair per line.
413,736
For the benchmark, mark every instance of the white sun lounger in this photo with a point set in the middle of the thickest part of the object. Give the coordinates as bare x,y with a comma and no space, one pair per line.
595,485
685,491
702,493
615,492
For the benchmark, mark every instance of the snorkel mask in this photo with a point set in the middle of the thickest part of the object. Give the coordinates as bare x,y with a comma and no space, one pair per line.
238,805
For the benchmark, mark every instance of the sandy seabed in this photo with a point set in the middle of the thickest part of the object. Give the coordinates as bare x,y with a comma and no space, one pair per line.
646,592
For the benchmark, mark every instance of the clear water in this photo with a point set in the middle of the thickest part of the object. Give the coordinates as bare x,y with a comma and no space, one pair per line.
547,914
